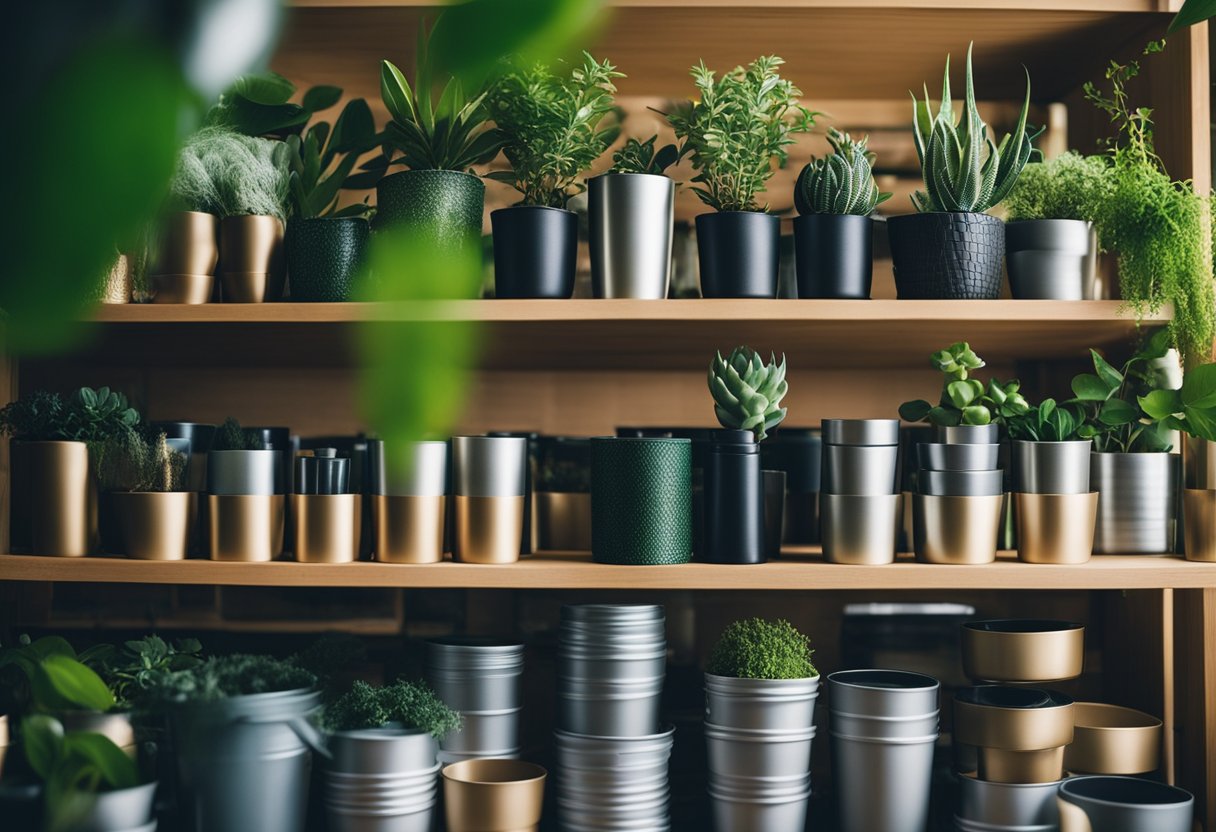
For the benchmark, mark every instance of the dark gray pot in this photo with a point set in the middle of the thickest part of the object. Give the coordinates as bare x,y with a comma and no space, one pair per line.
947,256
1137,502
1051,259
630,219
324,255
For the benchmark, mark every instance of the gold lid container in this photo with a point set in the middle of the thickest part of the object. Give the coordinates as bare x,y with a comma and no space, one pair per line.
488,529
154,525
493,795
1199,524
190,289
997,765
1056,528
408,529
246,527
1012,718
327,527
1022,650
1109,739
956,530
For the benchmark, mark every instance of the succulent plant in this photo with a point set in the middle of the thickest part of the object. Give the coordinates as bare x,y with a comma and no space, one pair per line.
959,174
840,183
747,392
965,400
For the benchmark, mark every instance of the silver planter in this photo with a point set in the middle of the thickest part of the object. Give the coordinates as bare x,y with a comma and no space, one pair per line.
630,220
1008,804
743,753
883,693
1051,259
883,727
859,470
859,530
966,434
883,784
473,674
939,456
489,466
1123,804
962,484
382,751
1137,502
124,809
484,731
760,704
733,813
1051,467
408,469
417,818
609,708
243,473
860,431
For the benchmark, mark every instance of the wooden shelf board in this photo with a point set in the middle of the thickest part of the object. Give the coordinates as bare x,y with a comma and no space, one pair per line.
177,620
1110,6
575,571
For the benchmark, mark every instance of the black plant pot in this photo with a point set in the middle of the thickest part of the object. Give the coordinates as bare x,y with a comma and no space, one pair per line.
734,500
739,253
445,205
834,256
535,251
323,257
947,256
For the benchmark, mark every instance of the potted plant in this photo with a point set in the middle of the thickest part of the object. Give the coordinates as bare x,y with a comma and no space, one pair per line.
53,503
968,411
833,234
951,249
553,128
1051,245
142,484
747,396
741,124
245,500
630,210
184,246
760,691
324,243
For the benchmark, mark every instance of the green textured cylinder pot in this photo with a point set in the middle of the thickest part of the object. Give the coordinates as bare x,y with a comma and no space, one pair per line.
323,256
641,500
449,201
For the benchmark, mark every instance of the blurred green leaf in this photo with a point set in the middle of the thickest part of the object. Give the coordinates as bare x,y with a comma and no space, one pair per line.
77,683
1192,12
321,97
264,88
42,737
117,770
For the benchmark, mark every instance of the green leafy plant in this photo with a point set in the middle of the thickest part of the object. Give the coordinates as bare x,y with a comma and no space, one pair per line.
1045,422
741,123
756,648
840,183
747,392
410,704
55,677
87,415
139,665
231,175
322,158
132,461
963,169
220,677
1067,187
230,436
553,127
965,400
259,104
641,157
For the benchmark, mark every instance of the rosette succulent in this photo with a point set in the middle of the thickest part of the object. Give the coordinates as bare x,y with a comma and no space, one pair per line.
841,182
747,392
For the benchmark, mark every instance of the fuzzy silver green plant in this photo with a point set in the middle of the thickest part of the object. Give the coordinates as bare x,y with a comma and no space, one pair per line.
747,392
840,183
963,169
230,175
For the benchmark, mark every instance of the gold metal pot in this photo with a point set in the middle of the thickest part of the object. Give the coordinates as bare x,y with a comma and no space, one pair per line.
118,284
182,288
1198,463
1017,726
998,765
252,265
408,529
326,527
1056,528
493,795
563,521
246,527
957,530
1109,739
187,245
488,529
53,499
1022,650
1199,524
3,741
154,525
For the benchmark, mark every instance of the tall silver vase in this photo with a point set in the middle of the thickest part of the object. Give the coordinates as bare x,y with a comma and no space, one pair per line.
631,219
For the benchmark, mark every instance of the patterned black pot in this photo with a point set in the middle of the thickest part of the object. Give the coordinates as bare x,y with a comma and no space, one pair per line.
947,256
449,201
323,257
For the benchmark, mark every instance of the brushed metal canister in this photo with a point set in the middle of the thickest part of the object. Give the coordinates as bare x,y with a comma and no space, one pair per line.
408,502
489,487
630,217
858,529
939,456
883,784
1051,467
967,434
243,473
1008,804
861,431
1050,259
866,470
958,530
1137,502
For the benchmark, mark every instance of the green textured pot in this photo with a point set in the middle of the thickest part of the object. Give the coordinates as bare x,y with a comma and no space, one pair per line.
641,501
323,257
451,201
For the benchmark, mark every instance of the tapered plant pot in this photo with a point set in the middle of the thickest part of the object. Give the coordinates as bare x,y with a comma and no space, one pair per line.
1123,804
1109,739
1022,650
442,205
1051,467
739,253
489,488
630,216
489,795
121,809
535,250
252,267
834,255
859,529
956,529
1137,502
1055,528
155,525
408,502
184,262
246,527
382,751
1051,259
53,499
947,256
324,255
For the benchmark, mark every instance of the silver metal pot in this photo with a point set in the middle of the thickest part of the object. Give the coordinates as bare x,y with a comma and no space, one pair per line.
1123,804
489,466
630,219
760,704
408,469
786,813
1199,463
1051,259
865,470
883,727
418,818
860,530
743,753
484,731
883,693
861,431
382,751
967,434
962,483
475,674
123,809
1051,467
1008,804
609,708
883,784
1137,502
939,456
243,473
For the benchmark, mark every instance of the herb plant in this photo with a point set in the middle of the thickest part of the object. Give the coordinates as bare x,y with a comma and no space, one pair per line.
840,183
747,392
741,123
231,175
220,677
322,158
410,704
230,436
87,415
1067,187
553,127
759,649
642,157
132,461
965,400
964,170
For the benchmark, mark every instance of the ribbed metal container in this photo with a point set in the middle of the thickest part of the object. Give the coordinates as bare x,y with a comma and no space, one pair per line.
859,530
780,812
480,678
604,782
883,693
747,753
883,727
382,751
883,784
1008,804
939,456
1051,467
1137,502
760,704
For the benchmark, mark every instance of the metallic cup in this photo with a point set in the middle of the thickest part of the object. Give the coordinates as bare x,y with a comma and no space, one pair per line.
488,529
967,434
1137,502
493,795
1051,467
408,529
1017,650
1050,259
1199,524
1108,739
883,784
243,472
883,693
409,469
938,456
489,466
859,469
959,530
187,248
1055,528
489,486
252,266
326,527
760,704
859,530
1123,804
1199,462
630,217
191,289
1008,804
246,527
53,500
155,525
861,431
962,483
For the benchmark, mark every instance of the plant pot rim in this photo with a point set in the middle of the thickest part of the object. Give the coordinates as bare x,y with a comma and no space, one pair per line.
535,772
158,493
431,170
614,173
1049,219
200,213
1057,442
252,217
1132,453
738,213
327,219
532,208
948,213
383,733
817,215
1069,784
733,679
264,696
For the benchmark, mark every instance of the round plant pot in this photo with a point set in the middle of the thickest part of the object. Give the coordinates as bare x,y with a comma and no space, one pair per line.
779,812
187,246
955,529
883,693
947,256
1199,462
382,751
1008,805
155,525
760,704
630,218
445,205
53,501
192,289
535,252
739,253
1050,259
938,456
323,256
252,268
489,482
124,809
481,795
473,674
962,483
1108,739
734,500
326,527
1022,650
1199,524
243,472
1137,502
641,500
859,529
883,784
1123,804
859,470
966,434
834,255
861,432
246,527
1055,528
739,752
1051,467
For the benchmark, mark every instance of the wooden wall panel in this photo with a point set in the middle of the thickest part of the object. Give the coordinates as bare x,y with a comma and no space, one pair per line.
1195,713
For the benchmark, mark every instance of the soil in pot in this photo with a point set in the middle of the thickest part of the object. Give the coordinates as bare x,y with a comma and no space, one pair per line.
323,257
947,256
535,250
834,256
445,203
739,253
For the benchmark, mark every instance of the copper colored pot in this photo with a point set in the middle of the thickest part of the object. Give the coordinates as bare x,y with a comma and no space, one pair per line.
252,263
53,499
154,525
493,795
1108,739
408,529
187,245
246,527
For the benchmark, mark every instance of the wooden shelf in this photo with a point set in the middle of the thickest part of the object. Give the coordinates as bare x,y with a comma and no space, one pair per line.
575,571
615,334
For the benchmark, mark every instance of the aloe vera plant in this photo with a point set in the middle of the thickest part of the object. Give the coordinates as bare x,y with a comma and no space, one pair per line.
747,392
963,169
841,182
